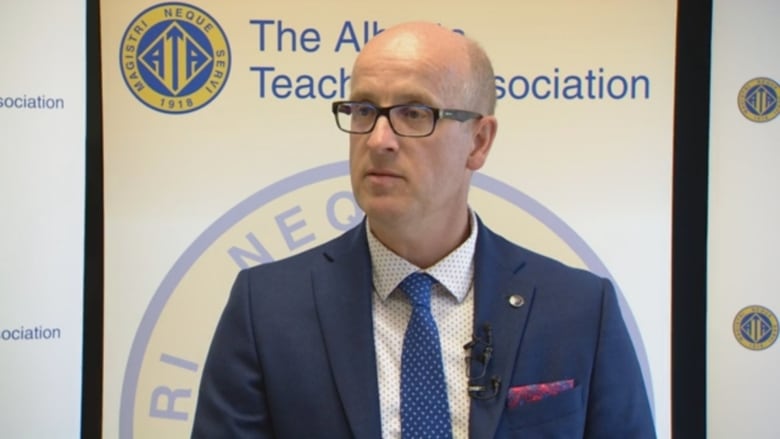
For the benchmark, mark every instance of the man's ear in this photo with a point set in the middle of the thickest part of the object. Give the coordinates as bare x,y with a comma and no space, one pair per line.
484,134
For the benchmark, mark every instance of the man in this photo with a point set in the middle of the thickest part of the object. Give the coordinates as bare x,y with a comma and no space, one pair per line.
315,346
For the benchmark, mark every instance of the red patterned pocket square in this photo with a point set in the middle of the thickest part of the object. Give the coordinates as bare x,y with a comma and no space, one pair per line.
520,395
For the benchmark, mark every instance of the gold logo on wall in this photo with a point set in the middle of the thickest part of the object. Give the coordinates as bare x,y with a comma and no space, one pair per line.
758,99
174,58
755,327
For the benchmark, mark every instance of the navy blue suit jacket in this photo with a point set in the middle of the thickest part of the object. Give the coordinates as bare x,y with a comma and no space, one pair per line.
293,353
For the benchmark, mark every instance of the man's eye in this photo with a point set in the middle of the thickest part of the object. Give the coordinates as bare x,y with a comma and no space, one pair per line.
414,113
362,110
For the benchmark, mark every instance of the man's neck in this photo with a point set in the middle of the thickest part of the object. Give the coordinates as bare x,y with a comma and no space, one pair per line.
423,243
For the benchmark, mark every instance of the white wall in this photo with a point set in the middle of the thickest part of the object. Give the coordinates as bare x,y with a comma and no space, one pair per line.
744,213
41,217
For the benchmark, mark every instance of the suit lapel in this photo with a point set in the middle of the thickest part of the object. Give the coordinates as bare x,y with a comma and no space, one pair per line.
502,299
342,294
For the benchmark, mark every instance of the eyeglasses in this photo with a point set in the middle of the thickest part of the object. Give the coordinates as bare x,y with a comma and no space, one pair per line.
406,120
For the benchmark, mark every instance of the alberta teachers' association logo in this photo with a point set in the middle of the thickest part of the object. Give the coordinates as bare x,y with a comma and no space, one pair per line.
174,58
755,327
758,98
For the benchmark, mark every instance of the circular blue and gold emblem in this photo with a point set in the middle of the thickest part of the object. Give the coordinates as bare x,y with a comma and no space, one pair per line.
755,327
174,58
758,99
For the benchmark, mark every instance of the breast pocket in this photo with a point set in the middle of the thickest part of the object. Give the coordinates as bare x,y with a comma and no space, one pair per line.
566,407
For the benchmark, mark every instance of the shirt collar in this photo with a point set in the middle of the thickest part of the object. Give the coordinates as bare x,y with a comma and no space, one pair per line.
455,271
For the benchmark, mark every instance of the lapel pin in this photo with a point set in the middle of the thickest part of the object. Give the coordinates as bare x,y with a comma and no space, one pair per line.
516,301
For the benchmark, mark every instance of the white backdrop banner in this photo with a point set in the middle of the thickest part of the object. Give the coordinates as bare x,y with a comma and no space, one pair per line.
42,107
241,163
744,213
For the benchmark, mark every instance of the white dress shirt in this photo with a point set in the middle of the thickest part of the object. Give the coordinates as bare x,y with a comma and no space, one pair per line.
452,305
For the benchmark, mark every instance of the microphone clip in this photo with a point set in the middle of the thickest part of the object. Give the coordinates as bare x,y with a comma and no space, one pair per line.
479,352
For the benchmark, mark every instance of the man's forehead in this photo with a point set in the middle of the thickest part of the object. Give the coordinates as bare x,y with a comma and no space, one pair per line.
405,67
412,43
402,45
385,97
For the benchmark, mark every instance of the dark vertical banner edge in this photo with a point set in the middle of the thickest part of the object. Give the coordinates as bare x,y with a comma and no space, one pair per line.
689,223
92,354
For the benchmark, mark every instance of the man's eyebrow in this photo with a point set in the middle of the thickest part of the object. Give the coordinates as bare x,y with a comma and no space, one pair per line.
404,98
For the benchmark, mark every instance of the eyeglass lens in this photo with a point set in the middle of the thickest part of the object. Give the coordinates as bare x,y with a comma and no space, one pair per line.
405,120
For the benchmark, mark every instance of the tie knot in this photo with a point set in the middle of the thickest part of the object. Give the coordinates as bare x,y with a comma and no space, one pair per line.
417,287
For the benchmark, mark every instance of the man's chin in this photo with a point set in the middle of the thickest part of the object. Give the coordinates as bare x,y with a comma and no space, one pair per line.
384,210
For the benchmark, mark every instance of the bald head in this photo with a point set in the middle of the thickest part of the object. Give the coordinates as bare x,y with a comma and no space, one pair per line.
465,69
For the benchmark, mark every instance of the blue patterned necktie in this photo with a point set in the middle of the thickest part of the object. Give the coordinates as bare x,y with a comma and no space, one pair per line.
425,411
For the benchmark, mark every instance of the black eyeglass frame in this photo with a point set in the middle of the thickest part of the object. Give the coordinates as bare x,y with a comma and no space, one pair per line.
438,113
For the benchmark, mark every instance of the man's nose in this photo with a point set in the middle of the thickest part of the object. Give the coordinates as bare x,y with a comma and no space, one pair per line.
383,136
